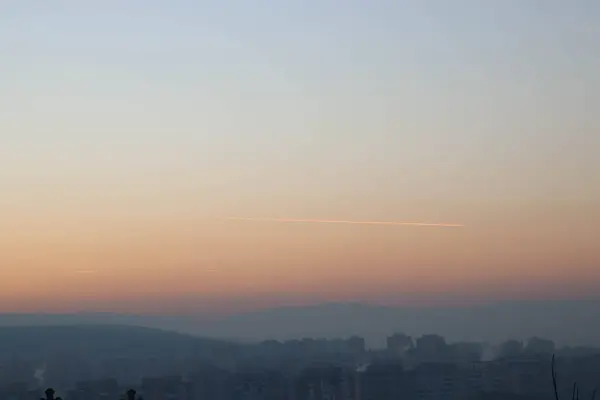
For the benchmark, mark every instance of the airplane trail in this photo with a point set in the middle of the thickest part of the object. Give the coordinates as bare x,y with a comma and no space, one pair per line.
350,222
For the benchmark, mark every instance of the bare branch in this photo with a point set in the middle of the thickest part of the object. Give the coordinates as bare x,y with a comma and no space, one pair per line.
554,380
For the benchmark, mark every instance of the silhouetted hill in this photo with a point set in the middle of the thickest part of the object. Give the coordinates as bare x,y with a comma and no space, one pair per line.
562,321
106,340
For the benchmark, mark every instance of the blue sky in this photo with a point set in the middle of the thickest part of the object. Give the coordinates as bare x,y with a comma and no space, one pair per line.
462,111
440,98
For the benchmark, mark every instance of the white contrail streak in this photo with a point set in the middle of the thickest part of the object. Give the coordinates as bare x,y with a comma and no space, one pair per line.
329,221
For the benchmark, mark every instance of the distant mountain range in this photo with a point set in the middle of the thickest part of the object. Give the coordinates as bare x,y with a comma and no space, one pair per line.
572,322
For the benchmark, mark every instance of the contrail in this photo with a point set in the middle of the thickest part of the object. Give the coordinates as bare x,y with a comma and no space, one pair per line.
329,221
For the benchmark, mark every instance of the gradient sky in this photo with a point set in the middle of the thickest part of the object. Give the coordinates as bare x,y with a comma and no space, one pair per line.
130,129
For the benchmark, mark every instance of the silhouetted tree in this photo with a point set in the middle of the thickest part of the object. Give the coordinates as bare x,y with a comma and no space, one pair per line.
131,395
50,395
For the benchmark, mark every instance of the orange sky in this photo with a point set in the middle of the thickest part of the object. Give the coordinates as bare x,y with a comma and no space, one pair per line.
124,150
131,264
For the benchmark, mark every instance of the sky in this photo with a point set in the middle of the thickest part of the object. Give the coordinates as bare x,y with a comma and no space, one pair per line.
131,131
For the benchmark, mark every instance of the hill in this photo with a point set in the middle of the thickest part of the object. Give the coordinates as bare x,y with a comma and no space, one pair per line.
107,341
561,321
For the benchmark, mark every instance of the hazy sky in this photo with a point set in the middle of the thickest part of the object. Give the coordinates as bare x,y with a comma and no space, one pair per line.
130,129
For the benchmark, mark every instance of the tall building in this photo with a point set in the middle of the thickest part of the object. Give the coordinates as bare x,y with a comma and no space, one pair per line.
399,343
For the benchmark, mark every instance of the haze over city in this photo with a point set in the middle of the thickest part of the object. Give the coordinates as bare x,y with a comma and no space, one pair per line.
299,200
131,133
